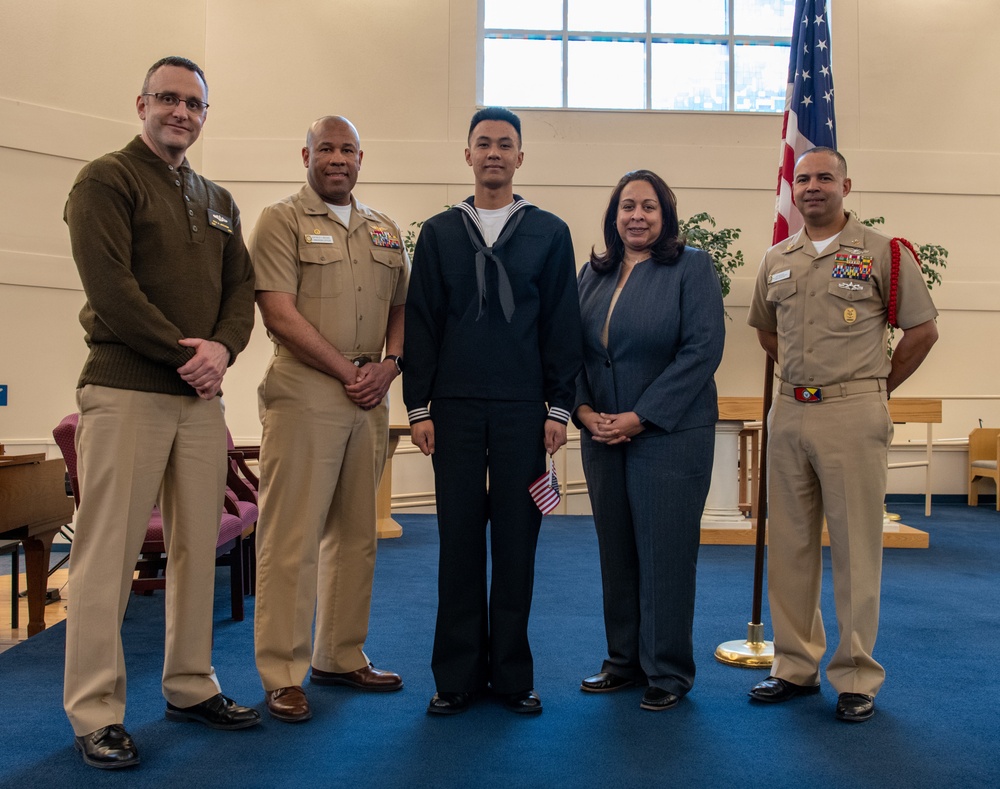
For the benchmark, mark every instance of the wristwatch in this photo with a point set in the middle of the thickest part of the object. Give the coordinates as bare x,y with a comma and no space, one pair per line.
396,360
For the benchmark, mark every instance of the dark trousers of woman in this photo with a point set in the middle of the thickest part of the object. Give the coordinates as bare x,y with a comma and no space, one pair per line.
482,637
647,497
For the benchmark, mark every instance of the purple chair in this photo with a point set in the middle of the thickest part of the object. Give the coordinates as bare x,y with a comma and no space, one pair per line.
152,565
243,484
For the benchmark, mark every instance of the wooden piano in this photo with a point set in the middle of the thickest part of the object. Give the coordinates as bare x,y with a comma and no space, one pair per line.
33,507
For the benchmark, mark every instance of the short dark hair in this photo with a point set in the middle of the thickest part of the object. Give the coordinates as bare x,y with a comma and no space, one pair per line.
832,151
665,249
174,60
496,114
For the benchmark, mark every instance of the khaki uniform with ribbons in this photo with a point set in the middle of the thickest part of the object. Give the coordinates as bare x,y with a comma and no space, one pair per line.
829,435
321,455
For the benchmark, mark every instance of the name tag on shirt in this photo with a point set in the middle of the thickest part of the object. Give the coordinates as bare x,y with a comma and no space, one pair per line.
315,239
220,221
780,276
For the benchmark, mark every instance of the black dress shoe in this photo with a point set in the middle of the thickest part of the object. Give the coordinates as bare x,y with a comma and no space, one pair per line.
525,702
774,690
605,682
109,748
656,699
449,703
217,712
855,707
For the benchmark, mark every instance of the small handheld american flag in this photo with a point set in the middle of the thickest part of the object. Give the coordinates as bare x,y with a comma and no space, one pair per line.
545,490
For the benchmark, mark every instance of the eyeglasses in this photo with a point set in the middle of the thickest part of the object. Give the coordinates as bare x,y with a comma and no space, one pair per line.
171,100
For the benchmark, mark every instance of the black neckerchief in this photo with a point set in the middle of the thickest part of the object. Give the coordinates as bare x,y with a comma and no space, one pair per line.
505,292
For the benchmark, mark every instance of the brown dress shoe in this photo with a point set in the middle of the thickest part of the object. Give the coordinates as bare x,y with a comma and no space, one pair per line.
288,704
366,678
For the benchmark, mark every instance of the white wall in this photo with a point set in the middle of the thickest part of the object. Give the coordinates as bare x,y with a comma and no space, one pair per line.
916,120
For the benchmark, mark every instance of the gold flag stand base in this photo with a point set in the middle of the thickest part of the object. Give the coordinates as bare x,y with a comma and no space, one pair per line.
755,652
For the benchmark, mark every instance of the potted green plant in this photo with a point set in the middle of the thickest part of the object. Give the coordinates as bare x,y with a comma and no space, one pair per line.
700,231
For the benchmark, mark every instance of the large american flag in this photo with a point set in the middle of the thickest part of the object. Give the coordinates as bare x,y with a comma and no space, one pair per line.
809,118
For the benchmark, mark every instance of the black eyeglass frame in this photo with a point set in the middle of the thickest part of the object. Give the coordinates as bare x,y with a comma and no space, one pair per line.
172,100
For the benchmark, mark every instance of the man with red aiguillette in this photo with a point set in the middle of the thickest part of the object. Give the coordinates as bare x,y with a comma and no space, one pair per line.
821,305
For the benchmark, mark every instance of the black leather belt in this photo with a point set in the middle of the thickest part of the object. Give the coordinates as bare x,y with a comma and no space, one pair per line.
361,361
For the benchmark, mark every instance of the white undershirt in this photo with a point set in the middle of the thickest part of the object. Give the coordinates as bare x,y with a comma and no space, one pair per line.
823,244
492,220
342,212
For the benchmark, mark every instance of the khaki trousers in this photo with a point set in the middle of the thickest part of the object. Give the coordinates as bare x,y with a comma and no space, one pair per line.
132,449
829,457
321,460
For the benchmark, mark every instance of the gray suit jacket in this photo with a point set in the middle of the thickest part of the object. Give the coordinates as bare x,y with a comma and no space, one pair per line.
665,343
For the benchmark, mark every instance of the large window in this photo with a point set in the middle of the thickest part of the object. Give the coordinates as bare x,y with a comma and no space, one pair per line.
713,55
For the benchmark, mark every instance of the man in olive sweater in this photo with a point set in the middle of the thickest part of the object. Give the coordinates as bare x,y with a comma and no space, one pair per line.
170,295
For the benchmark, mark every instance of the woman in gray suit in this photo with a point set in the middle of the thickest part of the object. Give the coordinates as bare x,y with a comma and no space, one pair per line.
653,326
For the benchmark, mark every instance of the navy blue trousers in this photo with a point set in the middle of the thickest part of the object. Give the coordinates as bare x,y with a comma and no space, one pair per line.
486,455
647,498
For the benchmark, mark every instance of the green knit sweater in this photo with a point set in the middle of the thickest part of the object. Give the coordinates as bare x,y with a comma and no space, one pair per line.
161,256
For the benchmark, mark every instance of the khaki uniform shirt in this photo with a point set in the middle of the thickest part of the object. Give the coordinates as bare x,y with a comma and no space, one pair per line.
830,310
345,279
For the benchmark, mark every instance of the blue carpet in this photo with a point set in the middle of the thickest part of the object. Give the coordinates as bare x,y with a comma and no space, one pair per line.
940,636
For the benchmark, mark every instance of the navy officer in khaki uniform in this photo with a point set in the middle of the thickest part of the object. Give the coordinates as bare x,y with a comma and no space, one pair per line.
331,282
820,306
